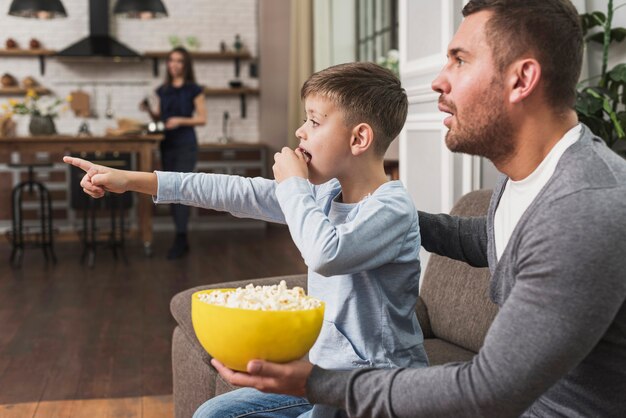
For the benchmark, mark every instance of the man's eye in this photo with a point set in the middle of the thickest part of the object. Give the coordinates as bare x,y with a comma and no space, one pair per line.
460,62
314,123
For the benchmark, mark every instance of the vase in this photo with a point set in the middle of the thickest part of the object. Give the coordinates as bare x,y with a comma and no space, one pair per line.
42,125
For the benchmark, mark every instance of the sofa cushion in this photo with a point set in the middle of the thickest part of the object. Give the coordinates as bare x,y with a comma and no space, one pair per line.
457,295
442,352
180,306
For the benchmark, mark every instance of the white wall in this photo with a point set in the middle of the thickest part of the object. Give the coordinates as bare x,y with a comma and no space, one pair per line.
209,21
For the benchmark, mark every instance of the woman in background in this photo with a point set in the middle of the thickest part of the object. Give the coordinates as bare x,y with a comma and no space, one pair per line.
181,107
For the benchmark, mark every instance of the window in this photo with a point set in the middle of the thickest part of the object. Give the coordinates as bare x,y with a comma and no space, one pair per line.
376,28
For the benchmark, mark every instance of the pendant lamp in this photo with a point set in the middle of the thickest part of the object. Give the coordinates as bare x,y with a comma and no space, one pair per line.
39,9
140,9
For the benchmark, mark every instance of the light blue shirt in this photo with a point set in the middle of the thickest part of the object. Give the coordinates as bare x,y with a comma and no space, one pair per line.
363,258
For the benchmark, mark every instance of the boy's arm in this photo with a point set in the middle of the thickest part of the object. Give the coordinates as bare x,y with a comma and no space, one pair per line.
375,237
463,239
241,196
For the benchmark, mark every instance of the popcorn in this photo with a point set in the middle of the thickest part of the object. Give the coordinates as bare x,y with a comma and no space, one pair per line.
263,298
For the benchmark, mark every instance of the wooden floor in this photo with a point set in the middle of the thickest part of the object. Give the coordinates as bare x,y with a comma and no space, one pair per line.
79,342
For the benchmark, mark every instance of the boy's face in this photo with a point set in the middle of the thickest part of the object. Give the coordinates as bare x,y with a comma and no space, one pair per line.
325,139
473,93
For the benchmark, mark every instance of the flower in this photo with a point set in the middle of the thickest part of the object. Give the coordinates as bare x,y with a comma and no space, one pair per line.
391,61
34,105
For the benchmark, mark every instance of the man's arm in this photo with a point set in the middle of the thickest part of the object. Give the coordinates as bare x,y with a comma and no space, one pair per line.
568,290
463,239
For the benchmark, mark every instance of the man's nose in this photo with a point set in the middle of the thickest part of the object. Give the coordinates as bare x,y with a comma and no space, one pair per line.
440,84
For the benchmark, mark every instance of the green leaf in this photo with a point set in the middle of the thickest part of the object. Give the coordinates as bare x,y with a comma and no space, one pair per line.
601,93
591,20
616,35
618,73
621,117
587,104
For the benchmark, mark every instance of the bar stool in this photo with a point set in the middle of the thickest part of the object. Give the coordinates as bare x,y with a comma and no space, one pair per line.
115,241
22,236
116,206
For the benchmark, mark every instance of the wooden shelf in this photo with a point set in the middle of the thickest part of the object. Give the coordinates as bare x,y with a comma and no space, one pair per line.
211,91
242,92
202,55
30,53
237,57
19,91
25,52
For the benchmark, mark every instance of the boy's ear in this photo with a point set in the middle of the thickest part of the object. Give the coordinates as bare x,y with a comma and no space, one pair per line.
362,138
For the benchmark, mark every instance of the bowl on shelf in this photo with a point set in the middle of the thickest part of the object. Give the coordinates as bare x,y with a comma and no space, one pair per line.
235,336
235,84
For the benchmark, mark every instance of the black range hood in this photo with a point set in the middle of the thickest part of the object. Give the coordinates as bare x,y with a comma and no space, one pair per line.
99,44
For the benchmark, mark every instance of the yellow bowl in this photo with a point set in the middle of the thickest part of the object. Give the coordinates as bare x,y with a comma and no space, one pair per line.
235,336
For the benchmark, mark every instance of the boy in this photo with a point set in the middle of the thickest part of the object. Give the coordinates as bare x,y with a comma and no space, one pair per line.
358,232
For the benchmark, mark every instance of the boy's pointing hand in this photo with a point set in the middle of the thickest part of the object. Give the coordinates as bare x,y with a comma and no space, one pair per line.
290,163
98,178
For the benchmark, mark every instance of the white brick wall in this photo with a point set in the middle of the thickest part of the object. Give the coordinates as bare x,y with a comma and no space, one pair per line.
209,21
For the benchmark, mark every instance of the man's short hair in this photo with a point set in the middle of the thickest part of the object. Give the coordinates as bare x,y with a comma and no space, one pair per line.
366,93
549,29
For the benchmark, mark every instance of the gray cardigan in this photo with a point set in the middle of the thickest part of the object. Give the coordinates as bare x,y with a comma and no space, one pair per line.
557,347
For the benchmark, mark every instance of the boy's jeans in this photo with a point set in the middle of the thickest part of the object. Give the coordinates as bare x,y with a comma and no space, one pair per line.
251,403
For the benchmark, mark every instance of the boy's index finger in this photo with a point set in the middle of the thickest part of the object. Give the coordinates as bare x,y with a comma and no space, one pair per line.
78,162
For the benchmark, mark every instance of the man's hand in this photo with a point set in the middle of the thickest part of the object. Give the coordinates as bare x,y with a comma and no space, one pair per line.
289,163
289,378
98,178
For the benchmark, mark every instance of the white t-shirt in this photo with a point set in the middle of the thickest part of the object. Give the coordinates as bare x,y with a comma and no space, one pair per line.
518,195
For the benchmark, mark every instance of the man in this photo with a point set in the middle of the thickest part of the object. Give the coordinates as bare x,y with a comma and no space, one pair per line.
554,239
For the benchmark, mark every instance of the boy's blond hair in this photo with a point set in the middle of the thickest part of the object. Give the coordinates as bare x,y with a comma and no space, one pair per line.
366,93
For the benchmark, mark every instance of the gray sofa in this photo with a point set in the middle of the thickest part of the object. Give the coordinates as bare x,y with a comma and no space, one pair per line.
453,310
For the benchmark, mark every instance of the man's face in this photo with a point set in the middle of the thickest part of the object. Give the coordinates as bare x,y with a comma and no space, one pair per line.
473,93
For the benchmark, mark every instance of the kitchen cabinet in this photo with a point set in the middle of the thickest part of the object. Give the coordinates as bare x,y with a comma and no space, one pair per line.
57,179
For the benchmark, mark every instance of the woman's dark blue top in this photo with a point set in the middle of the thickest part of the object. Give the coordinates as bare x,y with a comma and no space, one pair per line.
178,102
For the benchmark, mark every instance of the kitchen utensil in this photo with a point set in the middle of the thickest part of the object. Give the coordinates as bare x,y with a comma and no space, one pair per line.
109,110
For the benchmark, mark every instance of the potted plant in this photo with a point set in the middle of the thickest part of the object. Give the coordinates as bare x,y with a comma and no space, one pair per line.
600,100
42,112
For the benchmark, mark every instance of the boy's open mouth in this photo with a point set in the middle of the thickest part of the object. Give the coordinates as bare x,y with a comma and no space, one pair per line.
307,155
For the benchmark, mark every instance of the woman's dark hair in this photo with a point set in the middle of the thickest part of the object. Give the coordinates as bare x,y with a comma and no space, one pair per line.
188,74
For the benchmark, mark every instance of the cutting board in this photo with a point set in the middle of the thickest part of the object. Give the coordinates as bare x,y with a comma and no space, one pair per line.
80,104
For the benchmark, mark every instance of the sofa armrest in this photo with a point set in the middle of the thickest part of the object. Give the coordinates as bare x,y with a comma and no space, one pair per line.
180,306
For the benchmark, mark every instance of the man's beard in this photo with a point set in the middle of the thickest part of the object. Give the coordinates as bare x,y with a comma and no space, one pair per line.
486,129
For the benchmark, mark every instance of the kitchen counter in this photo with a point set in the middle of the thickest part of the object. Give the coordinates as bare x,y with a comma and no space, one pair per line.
142,145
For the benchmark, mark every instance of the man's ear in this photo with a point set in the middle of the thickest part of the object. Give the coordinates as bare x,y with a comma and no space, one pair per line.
362,138
523,79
